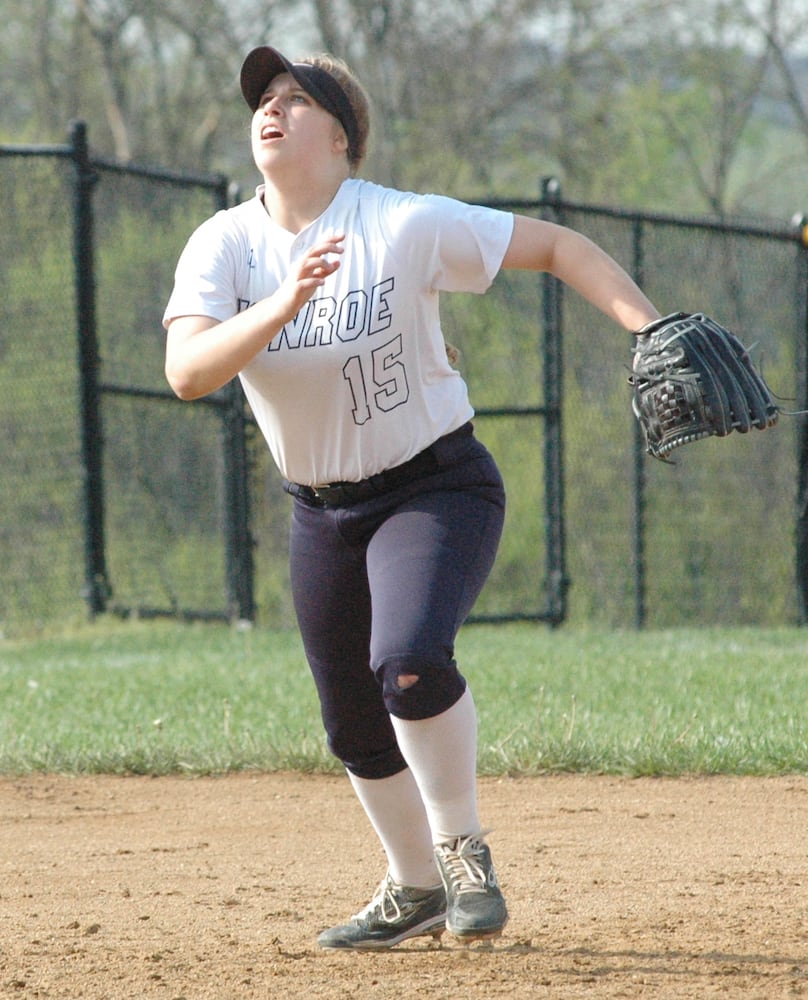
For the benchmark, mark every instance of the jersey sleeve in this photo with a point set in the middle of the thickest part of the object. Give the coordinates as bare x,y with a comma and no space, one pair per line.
460,246
205,279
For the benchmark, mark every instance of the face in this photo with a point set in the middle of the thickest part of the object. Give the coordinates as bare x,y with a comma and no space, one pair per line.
290,127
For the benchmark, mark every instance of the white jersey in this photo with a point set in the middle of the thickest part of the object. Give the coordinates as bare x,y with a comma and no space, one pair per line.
359,381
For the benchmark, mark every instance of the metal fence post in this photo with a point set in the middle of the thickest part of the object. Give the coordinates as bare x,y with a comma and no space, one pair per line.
96,588
238,540
801,539
557,583
638,539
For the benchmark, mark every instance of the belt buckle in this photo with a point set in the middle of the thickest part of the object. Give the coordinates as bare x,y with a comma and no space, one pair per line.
330,494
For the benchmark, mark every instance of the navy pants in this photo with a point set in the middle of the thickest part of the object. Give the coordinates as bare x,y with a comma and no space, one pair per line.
381,588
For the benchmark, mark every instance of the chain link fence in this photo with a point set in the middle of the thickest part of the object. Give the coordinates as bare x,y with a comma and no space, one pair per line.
713,538
116,497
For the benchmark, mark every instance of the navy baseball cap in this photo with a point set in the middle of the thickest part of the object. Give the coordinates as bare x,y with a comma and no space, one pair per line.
263,64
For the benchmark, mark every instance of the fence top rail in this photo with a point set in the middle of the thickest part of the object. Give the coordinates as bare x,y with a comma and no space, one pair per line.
67,151
794,233
53,150
791,234
178,177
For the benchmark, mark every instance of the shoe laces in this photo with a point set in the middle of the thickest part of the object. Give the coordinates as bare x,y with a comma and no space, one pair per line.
463,864
384,902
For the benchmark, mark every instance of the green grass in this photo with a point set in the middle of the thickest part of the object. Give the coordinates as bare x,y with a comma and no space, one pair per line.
164,697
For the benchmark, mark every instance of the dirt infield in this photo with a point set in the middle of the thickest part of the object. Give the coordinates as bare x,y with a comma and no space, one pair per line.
216,888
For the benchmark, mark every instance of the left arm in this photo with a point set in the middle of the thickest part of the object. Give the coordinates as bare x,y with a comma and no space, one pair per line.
578,262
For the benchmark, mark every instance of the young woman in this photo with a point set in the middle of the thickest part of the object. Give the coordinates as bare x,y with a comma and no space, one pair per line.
321,294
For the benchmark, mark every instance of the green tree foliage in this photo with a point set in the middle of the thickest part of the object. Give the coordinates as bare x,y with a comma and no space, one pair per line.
151,78
692,106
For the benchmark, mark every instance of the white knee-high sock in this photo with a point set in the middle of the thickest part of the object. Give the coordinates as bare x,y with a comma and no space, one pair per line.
394,807
442,754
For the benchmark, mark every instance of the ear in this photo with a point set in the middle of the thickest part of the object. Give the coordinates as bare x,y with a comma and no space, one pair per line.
339,139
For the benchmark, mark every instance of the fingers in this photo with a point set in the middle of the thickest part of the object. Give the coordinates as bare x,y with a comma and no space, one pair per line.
322,260
308,275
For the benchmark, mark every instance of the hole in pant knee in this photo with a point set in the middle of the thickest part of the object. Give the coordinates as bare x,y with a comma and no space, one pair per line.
433,690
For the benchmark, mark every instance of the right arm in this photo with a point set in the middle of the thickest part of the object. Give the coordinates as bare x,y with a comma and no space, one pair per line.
203,354
578,262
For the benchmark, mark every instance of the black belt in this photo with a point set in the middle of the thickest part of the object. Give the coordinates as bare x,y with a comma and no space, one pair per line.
344,494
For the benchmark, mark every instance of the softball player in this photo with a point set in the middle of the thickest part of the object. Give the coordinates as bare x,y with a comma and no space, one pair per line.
321,294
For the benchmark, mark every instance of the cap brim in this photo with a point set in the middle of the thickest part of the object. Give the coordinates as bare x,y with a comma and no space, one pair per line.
260,67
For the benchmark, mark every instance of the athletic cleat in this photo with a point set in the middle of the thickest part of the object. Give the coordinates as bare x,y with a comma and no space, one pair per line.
475,907
396,913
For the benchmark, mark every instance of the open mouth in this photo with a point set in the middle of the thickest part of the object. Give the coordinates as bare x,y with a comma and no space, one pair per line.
271,132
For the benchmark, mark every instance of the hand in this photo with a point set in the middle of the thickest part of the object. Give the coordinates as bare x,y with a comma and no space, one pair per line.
306,276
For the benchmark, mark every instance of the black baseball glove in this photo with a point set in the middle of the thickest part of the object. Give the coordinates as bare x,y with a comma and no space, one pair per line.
691,378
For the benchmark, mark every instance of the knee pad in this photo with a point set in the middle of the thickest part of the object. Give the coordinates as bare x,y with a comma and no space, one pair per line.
438,686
